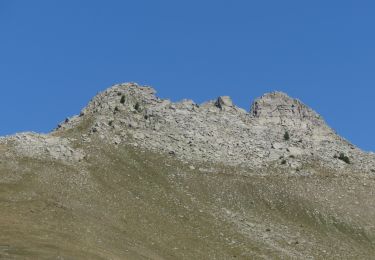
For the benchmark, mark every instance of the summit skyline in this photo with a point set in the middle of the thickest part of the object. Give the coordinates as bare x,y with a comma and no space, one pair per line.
56,56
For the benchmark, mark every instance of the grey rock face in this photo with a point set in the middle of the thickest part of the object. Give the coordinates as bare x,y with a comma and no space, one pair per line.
218,131
45,146
279,108
278,130
224,102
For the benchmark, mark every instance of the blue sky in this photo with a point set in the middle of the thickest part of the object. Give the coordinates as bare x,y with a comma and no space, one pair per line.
56,55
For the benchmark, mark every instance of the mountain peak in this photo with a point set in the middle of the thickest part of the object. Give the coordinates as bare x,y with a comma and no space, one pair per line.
280,108
120,96
277,126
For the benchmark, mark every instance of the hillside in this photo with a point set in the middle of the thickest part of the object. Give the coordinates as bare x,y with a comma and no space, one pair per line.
134,176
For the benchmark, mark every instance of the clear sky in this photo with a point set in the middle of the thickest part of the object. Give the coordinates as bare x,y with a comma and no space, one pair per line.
56,55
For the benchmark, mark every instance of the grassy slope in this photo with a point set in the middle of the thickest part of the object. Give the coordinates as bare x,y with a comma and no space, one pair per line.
121,203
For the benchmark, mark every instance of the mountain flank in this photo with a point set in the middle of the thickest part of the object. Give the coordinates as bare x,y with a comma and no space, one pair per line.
134,176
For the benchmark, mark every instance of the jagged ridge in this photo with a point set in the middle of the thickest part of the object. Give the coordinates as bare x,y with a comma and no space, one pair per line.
218,131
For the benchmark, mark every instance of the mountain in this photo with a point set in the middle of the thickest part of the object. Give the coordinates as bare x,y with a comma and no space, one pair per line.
134,176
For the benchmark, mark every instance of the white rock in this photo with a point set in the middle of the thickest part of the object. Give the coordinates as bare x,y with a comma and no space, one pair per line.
205,133
224,101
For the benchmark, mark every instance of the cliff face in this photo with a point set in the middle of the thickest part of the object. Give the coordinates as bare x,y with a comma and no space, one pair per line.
135,176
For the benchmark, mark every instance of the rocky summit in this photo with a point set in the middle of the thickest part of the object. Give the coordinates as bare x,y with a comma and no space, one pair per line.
277,129
134,176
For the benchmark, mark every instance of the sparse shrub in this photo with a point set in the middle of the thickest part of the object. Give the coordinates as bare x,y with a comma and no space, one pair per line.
137,106
283,162
344,158
286,136
123,99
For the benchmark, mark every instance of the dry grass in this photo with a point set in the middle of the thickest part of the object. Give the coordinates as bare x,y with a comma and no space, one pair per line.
122,203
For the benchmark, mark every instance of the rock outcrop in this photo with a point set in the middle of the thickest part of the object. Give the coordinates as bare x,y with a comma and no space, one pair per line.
41,146
278,108
224,102
277,130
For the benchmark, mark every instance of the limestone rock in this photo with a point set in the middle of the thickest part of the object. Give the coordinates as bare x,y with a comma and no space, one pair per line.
215,131
46,146
223,102
279,108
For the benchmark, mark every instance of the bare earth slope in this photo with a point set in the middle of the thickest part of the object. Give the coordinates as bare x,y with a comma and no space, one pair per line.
137,177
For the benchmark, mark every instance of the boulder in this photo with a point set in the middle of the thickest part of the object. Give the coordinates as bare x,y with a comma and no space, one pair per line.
224,101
